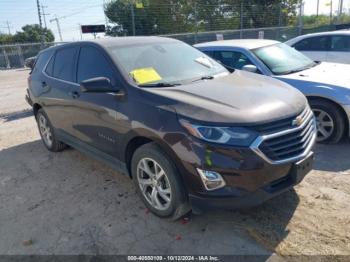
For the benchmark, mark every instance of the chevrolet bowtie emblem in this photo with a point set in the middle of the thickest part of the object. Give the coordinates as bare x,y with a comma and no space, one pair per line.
298,121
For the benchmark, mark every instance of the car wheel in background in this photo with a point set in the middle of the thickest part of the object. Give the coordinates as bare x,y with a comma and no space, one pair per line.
47,132
158,183
330,121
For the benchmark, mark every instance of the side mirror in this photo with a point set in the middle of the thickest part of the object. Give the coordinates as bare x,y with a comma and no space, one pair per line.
250,68
96,85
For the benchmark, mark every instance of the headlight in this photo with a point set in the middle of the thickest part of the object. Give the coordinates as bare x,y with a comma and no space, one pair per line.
236,136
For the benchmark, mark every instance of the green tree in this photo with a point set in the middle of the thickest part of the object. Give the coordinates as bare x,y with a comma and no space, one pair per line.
32,34
5,39
269,13
180,16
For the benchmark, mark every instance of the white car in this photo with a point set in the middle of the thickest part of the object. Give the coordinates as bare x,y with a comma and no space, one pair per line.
326,47
326,85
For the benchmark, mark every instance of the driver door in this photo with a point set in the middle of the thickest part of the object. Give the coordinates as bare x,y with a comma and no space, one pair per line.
95,118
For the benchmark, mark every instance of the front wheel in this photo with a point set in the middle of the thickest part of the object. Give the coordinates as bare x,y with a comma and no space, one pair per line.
330,121
158,183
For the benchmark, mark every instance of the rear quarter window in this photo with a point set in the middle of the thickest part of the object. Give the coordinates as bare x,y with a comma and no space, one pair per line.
41,61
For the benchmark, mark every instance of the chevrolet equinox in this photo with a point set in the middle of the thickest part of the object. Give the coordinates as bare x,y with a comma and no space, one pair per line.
189,133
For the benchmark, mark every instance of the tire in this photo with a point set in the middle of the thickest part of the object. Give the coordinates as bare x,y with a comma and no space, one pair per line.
54,145
328,113
151,156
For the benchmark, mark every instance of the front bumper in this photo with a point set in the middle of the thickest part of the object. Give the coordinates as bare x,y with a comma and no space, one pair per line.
242,199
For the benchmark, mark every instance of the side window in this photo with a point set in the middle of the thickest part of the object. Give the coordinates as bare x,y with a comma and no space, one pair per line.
320,43
208,53
64,64
232,59
41,61
49,67
92,64
340,43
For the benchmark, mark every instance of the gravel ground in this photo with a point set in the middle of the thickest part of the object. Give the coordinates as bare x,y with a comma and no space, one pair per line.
68,203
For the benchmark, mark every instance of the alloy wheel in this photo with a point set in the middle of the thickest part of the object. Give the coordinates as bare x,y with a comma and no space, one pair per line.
325,125
154,184
45,130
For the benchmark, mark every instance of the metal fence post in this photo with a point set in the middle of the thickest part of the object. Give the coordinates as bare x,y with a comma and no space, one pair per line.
8,66
20,55
301,19
241,21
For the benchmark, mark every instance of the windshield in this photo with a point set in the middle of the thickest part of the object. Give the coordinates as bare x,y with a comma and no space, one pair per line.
282,59
165,63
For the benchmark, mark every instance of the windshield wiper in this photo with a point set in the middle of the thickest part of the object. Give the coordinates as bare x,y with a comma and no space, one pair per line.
300,69
204,78
162,84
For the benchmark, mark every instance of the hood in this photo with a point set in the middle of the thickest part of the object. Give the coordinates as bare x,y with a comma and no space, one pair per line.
239,98
330,74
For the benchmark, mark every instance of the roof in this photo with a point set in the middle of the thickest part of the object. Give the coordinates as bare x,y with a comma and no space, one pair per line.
339,32
298,38
130,40
243,43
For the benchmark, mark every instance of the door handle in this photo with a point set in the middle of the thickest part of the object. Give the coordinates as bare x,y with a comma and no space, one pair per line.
74,94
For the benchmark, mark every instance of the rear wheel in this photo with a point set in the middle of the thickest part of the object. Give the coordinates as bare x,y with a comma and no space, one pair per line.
330,121
158,183
47,132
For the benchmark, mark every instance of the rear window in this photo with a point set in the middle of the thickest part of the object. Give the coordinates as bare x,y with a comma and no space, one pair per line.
41,61
64,64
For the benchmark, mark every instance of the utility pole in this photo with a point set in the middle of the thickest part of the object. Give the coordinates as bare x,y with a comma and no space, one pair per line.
81,33
341,4
44,14
58,26
39,13
40,22
318,8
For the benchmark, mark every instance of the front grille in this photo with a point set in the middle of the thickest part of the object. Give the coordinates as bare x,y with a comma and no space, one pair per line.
290,142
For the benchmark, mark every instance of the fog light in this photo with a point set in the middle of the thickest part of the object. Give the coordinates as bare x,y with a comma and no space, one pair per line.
211,180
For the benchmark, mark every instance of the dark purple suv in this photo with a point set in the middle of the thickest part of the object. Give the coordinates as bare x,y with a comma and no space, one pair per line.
188,132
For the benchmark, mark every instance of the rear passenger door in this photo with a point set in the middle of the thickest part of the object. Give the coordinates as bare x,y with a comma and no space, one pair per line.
340,49
95,116
59,81
316,48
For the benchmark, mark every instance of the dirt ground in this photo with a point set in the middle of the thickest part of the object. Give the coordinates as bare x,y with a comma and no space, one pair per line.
68,203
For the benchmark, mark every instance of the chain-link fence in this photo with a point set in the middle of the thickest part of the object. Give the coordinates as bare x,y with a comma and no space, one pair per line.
275,33
14,56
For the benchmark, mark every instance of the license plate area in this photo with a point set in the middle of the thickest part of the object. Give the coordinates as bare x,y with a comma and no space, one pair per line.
303,167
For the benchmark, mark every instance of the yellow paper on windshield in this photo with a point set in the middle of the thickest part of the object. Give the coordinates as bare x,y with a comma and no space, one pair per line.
145,75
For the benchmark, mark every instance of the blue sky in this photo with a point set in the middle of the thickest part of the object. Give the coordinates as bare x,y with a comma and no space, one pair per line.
21,12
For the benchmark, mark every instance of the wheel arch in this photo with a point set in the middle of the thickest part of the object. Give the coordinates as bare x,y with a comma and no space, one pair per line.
139,140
